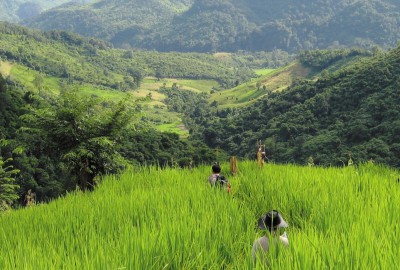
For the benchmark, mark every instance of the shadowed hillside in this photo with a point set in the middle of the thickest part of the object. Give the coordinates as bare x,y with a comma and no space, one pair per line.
219,25
19,10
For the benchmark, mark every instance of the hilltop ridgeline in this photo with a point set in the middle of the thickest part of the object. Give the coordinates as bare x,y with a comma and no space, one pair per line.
220,25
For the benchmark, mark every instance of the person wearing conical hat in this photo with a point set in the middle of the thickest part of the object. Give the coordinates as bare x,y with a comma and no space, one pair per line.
270,222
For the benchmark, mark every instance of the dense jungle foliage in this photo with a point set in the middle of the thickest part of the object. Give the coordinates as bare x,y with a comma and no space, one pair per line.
220,25
59,143
352,113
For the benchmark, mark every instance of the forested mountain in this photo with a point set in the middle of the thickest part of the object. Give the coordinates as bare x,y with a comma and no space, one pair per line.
71,56
57,136
18,10
66,105
58,140
111,19
352,113
231,25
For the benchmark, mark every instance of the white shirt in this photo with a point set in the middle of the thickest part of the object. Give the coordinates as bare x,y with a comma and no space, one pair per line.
261,245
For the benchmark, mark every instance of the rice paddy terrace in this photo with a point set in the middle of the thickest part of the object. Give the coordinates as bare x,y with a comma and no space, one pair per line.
148,218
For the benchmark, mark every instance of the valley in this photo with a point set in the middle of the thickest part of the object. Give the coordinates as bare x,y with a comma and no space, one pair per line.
114,112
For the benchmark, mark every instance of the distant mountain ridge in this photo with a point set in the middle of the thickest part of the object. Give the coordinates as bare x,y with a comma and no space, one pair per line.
231,25
18,10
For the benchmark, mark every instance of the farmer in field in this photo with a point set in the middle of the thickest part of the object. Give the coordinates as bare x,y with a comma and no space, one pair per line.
216,179
271,222
261,155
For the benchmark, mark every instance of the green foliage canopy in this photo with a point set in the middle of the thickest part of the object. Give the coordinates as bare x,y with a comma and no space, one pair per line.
8,188
82,133
352,111
231,25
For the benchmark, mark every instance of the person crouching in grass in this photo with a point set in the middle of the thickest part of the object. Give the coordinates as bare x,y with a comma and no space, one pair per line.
271,222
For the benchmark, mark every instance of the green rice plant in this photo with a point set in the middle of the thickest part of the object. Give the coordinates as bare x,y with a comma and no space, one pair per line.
152,218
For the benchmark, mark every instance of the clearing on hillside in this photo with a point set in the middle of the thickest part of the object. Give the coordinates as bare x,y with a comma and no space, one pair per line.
5,68
268,81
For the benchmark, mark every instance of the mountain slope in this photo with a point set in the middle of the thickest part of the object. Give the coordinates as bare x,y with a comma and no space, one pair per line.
72,56
206,26
18,10
109,19
231,25
352,112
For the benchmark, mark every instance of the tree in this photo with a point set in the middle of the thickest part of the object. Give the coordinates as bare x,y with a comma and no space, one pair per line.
82,135
258,85
8,188
38,81
136,75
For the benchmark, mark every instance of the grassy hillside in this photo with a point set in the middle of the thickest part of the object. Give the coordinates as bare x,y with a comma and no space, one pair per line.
154,107
171,219
74,57
47,62
268,81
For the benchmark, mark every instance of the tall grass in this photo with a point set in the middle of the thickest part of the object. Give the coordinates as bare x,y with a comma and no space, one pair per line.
147,218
